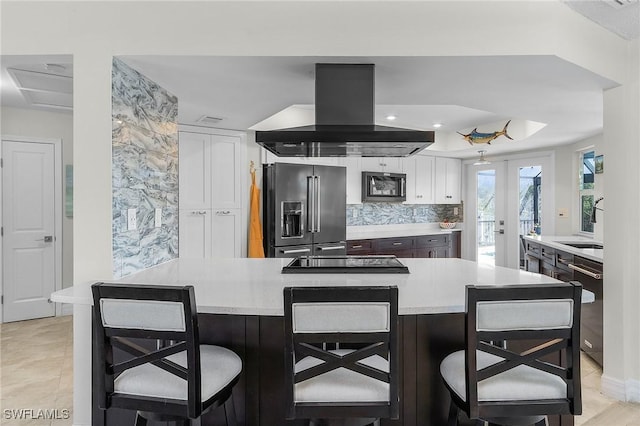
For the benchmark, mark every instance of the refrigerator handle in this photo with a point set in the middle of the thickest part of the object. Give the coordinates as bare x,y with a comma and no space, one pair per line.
311,224
317,202
403,189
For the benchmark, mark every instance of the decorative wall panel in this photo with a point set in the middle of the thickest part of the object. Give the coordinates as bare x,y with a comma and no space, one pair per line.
144,170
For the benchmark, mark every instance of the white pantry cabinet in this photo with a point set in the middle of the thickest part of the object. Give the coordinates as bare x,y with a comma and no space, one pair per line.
448,179
195,236
211,193
420,179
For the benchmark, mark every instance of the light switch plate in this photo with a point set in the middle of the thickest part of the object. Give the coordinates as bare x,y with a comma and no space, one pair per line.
158,218
132,222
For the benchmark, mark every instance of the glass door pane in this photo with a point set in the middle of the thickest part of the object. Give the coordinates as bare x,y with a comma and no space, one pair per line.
486,216
530,200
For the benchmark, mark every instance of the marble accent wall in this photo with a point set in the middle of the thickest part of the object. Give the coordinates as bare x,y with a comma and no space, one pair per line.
396,213
144,170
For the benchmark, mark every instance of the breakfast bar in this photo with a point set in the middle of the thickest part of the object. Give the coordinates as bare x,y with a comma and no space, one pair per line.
240,302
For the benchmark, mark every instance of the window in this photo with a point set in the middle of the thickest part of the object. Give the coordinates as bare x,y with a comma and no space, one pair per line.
585,188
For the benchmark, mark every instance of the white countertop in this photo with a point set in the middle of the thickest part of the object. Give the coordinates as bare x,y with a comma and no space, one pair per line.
400,230
556,241
254,286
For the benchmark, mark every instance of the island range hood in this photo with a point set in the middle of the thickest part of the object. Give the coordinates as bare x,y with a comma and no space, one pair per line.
344,113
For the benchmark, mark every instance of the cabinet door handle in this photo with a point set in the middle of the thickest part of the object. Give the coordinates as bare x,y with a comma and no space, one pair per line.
332,248
585,271
296,251
199,213
223,212
357,246
397,244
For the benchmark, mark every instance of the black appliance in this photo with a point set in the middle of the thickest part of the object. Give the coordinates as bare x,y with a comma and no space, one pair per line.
344,112
305,210
589,274
345,264
384,187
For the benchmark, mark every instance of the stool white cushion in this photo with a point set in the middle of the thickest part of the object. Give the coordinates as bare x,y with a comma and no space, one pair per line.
342,384
219,367
519,383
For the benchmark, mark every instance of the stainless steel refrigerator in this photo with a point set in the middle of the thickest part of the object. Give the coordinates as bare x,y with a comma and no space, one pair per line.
304,210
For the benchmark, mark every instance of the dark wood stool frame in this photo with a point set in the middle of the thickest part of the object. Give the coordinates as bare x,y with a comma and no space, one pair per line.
299,345
563,340
106,339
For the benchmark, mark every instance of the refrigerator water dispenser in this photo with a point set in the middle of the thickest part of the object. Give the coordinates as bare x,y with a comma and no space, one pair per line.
292,223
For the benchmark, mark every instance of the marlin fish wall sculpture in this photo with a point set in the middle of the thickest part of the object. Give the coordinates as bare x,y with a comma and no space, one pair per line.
477,137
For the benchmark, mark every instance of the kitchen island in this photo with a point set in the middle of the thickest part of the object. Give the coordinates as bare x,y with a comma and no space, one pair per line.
242,307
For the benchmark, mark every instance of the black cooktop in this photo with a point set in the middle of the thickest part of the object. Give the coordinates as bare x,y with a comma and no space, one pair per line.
345,264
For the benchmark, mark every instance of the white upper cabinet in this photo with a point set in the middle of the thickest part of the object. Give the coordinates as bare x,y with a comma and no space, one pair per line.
382,164
448,178
420,179
354,179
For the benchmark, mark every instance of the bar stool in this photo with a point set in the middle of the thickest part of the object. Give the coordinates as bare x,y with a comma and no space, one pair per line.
492,382
341,354
177,382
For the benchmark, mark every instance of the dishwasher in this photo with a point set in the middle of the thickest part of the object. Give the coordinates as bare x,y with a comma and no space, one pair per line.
589,274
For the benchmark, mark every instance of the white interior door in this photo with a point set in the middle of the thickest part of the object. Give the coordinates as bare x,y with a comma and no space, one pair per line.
29,225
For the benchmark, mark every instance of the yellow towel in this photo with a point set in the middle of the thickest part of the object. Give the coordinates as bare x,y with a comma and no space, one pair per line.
255,229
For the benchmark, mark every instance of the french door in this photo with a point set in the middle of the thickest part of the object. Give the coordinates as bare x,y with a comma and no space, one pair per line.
486,199
507,199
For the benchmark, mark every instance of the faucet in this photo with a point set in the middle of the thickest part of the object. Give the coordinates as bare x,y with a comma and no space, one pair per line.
593,211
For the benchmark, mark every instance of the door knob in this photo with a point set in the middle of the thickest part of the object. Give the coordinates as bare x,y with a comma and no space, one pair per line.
47,239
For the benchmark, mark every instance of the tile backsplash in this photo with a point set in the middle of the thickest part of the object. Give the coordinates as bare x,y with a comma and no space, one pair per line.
144,170
396,213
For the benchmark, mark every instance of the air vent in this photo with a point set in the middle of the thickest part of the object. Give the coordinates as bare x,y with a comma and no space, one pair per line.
208,120
619,4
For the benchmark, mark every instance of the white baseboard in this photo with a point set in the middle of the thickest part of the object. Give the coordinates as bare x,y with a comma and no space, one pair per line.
622,390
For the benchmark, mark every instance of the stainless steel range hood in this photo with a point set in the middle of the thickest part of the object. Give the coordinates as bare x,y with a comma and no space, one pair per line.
345,108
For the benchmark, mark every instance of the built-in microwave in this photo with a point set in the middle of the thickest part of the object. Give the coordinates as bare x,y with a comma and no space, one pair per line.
384,187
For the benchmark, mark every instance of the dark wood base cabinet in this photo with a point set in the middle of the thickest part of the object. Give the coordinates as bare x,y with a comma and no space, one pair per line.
259,396
423,246
555,263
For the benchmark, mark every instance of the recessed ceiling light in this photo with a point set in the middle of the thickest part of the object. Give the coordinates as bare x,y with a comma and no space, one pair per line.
437,125
391,117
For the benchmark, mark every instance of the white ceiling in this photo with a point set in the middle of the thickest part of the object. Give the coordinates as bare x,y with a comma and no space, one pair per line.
460,92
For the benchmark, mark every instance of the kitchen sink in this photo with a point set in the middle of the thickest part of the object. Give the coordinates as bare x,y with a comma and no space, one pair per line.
583,245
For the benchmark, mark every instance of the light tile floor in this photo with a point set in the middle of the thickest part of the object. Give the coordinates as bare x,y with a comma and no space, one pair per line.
36,373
